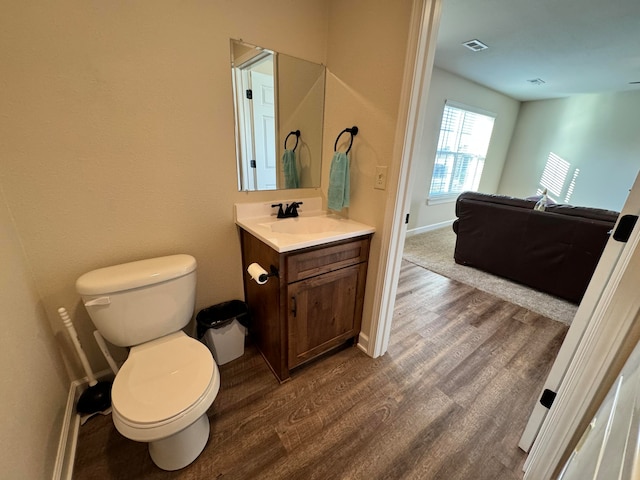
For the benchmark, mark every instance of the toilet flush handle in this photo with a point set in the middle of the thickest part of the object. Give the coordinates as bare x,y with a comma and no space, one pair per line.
98,301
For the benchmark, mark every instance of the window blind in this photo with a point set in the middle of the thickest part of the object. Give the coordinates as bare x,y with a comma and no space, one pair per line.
463,142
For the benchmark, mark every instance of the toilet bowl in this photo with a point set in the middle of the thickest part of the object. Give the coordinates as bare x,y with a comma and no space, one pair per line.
163,390
161,395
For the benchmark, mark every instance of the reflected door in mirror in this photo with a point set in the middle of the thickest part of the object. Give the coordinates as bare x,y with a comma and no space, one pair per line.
255,112
264,130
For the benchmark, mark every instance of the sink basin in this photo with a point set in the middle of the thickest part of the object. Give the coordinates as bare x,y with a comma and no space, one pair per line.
305,225
313,227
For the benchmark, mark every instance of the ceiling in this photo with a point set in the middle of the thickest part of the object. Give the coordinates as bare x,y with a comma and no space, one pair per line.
575,46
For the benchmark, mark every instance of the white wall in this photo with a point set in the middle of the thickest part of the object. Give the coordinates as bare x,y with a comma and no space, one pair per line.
33,381
118,135
446,86
301,89
366,55
597,134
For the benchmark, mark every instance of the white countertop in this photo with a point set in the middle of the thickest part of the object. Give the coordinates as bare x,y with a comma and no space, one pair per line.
312,227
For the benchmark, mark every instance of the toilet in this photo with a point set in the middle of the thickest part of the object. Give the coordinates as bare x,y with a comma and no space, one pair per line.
163,390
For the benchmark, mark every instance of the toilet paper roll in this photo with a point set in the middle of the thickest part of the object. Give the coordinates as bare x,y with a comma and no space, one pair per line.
258,273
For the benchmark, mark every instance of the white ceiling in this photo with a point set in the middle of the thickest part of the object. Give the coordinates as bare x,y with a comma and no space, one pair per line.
575,46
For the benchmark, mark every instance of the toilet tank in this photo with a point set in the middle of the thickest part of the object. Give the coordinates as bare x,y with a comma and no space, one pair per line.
136,302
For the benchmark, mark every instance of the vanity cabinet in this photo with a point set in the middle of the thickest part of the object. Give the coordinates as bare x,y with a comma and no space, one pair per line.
313,305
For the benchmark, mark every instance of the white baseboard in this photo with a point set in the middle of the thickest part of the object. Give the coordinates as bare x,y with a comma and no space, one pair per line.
428,228
65,457
63,469
363,343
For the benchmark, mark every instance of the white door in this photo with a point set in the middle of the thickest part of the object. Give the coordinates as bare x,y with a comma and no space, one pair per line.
255,96
592,297
264,129
609,445
611,330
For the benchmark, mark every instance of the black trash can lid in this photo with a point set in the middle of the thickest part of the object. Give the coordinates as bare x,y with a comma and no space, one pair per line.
222,314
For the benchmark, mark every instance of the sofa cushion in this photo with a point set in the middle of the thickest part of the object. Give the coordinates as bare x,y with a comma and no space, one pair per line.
584,212
497,199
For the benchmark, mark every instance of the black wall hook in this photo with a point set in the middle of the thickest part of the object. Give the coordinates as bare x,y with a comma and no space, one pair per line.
297,134
353,131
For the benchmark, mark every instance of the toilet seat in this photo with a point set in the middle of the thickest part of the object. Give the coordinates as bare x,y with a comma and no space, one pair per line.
163,386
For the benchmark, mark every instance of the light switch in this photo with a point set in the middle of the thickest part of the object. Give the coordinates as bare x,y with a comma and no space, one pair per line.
381,178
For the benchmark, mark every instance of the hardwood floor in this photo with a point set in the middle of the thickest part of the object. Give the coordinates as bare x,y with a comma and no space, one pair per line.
448,401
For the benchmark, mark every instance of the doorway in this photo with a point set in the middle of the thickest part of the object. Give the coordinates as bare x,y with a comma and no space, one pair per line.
254,81
401,207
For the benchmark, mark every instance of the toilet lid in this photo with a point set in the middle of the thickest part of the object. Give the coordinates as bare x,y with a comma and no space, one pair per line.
161,379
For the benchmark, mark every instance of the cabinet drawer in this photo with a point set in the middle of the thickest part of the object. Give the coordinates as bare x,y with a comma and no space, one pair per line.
326,259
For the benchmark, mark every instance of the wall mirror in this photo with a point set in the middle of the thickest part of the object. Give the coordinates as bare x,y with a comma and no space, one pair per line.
279,112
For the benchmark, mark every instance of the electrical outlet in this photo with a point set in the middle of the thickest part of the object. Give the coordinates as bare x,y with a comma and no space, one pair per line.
381,178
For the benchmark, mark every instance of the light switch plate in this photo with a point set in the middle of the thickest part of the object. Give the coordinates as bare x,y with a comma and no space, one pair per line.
381,178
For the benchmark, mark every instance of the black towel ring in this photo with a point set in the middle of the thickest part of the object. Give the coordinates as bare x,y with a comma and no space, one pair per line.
297,134
353,131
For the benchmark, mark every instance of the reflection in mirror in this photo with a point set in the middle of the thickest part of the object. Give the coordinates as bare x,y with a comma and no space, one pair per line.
275,95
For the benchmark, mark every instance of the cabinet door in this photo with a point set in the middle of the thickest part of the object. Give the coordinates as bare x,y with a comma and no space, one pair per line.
324,311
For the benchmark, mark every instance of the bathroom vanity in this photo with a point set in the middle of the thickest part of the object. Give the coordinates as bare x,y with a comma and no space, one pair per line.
312,301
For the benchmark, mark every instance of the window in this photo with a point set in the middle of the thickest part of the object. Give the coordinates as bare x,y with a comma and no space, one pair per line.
462,147
554,178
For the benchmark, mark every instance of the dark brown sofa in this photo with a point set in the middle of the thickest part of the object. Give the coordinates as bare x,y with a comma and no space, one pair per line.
555,251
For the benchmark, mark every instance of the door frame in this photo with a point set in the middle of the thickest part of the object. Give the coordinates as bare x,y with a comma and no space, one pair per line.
244,117
421,46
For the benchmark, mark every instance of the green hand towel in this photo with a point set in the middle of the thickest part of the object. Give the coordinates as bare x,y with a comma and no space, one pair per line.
291,179
338,194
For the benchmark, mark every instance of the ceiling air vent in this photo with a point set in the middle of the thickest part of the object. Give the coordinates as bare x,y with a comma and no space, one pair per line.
475,45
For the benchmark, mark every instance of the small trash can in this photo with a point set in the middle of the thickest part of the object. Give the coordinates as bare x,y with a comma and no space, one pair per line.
222,328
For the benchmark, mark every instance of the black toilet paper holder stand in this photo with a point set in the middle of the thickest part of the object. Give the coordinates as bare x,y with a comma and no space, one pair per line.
272,273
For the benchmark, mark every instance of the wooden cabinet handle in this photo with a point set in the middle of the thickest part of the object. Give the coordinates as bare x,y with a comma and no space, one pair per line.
294,306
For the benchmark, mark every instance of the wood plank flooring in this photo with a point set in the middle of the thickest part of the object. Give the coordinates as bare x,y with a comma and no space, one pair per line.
448,401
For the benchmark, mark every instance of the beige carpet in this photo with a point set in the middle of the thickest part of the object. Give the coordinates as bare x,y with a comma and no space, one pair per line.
434,251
